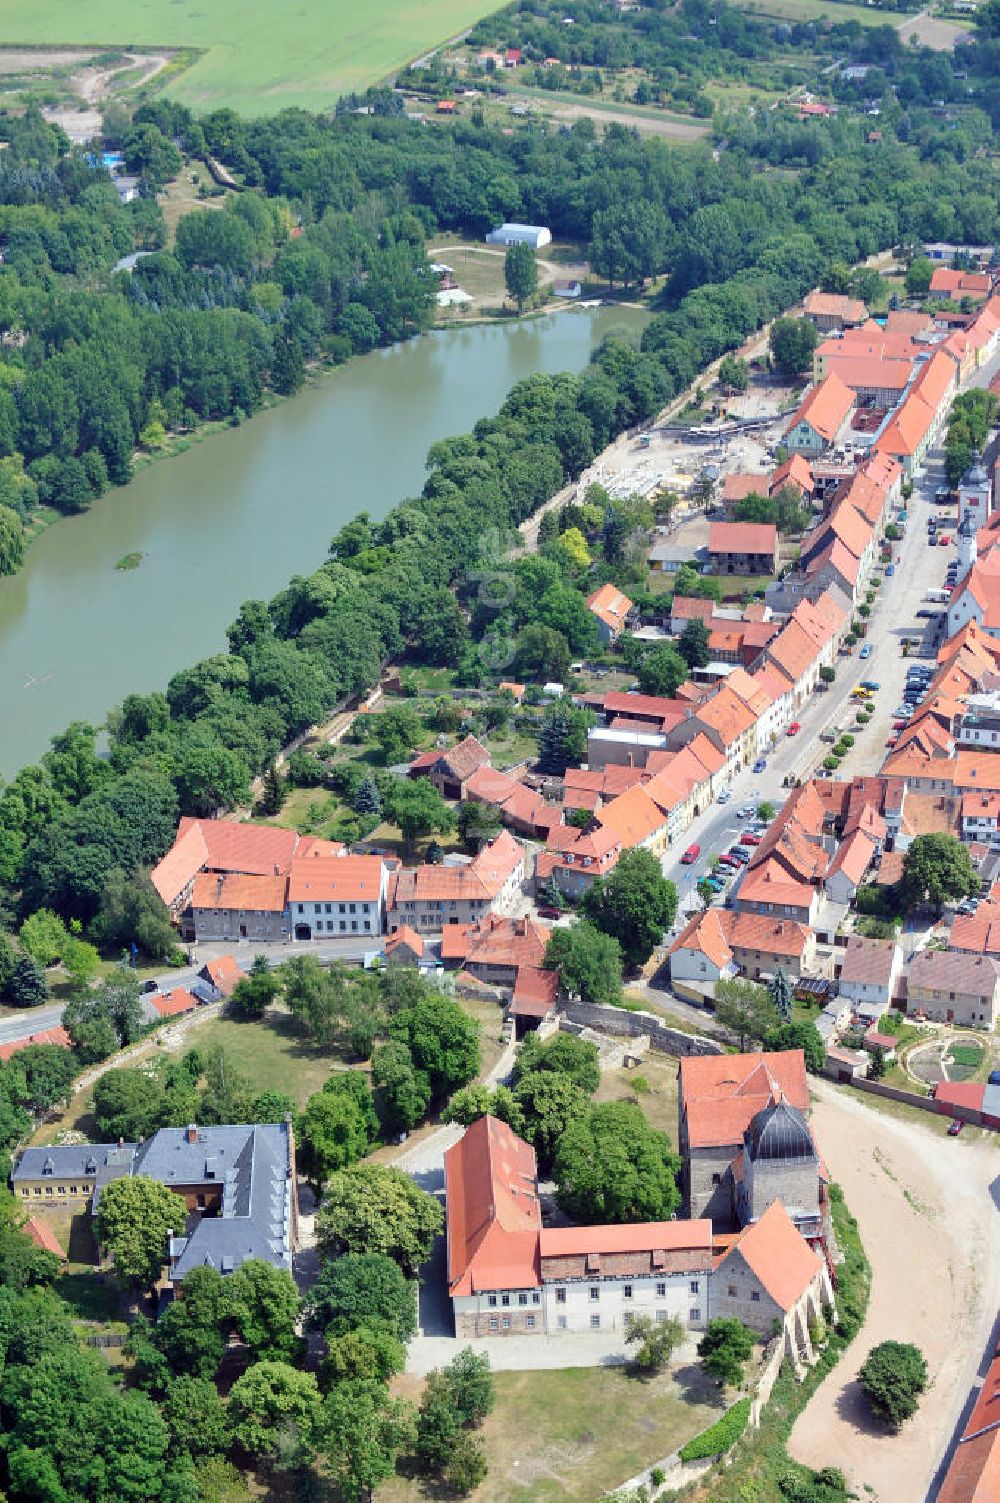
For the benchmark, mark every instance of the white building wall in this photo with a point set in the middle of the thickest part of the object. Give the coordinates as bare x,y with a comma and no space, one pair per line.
573,1308
690,964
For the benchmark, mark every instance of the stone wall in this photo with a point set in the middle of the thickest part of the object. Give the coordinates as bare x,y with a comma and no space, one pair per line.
622,1024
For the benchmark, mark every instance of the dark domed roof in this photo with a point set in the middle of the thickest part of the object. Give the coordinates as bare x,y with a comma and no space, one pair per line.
779,1132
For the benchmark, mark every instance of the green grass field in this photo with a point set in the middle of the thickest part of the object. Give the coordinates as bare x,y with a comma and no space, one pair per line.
258,59
828,10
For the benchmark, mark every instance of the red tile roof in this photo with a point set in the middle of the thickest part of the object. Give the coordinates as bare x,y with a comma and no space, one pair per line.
223,973
643,1236
825,407
742,537
404,935
721,1093
57,1036
358,878
610,606
535,992
973,1475
778,1254
494,1215
172,1003
42,1235
235,891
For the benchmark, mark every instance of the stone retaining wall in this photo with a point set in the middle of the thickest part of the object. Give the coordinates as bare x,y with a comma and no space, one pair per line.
622,1024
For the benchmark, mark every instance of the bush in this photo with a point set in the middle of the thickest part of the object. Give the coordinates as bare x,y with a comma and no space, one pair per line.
827,675
720,1436
831,763
847,740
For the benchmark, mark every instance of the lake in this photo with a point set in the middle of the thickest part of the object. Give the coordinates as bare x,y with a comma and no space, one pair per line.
237,515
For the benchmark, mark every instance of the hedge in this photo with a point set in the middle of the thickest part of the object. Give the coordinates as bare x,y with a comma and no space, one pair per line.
720,1436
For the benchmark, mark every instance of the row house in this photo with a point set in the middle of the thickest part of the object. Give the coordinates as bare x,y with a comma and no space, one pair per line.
914,426
429,897
833,310
980,816
342,896
743,547
869,974
723,942
977,933
574,858
952,987
822,419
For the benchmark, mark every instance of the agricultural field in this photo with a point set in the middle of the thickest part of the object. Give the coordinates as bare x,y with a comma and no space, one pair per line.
827,10
260,59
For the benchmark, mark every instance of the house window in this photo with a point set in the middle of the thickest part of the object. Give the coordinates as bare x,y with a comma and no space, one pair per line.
661,1314
755,1296
560,1296
732,1291
536,1298
491,1300
301,908
716,1179
595,1291
693,1286
522,1299
561,1322
328,907
505,1322
595,1322
661,1290
627,1292
494,1323
505,1300
529,1322
341,907
694,1315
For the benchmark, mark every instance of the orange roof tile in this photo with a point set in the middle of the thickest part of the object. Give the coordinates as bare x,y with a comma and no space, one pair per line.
342,878
721,1093
494,1214
726,714
610,606
704,932
796,470
779,1255
793,651
535,992
742,537
825,407
632,817
738,487
770,936
172,1003
42,1235
223,973
770,883
834,305
642,1236
404,935
973,1474
960,283
235,891
57,1036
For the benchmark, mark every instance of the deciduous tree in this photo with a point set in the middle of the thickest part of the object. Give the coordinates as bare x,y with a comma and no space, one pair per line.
371,1208
893,1376
635,904
133,1220
610,1165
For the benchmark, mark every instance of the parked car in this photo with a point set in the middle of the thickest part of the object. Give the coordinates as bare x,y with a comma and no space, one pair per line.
891,741
724,796
899,724
745,811
926,615
727,860
760,764
738,853
890,570
715,883
691,855
793,729
550,913
749,838
871,685
866,650
994,1077
955,1128
944,540
150,986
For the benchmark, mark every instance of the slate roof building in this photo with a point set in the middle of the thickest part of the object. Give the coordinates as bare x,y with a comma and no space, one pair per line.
236,1183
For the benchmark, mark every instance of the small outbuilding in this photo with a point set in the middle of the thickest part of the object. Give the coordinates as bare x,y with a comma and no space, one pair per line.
535,235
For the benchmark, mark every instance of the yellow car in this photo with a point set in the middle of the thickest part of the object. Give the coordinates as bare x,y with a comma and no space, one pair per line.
860,693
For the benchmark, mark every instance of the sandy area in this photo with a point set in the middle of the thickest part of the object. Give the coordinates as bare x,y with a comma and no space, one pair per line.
646,125
931,31
82,122
929,1224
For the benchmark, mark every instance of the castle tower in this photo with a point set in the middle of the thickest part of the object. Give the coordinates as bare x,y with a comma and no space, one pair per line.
967,545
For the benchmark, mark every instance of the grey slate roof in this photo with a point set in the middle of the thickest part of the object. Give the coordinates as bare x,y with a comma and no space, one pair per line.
75,1162
251,1164
780,1132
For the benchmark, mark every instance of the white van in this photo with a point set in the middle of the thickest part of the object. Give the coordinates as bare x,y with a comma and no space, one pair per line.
938,597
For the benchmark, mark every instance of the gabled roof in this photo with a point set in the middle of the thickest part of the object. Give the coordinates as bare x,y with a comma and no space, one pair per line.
643,1236
868,961
726,714
792,650
796,470
770,883
610,606
458,762
493,1211
977,933
824,407
42,1235
339,878
839,558
234,891
853,858
973,1475
742,537
223,973
777,1253
404,935
721,1093
705,933
171,1004
834,305
960,283
632,817
953,971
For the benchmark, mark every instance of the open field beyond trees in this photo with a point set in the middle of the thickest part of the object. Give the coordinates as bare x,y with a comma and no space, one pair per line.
566,1437
259,59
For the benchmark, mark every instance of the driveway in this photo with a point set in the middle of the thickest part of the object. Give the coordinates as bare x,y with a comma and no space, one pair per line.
927,1209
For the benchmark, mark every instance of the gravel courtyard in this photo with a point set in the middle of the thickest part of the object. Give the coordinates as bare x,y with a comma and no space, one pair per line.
927,1208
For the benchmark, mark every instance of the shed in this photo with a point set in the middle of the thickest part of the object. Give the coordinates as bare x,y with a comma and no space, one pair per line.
535,235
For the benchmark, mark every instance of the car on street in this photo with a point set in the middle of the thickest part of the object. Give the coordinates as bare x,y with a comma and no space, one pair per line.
715,883
726,859
759,765
927,615
739,853
550,913
150,986
891,741
942,497
866,650
724,796
793,729
749,838
890,570
955,1128
691,855
871,685
745,811
899,724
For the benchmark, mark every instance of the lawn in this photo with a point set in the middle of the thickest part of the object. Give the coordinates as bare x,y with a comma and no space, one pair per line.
256,59
659,1102
569,1436
273,1055
181,196
814,10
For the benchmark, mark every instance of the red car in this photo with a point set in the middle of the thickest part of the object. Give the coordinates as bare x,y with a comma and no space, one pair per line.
691,855
793,729
891,742
749,839
955,1128
900,725
550,913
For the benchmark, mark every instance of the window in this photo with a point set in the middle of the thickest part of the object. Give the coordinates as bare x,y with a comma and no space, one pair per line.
536,1298
595,1291
72,1189
661,1290
494,1323
505,1322
693,1286
661,1314
716,1179
732,1291
522,1299
561,1322
560,1296
627,1292
301,908
491,1300
505,1300
341,907
353,907
694,1315
61,1189
595,1322
327,907
529,1322
755,1296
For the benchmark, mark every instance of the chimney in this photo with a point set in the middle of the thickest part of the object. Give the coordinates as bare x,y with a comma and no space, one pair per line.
277,869
191,1133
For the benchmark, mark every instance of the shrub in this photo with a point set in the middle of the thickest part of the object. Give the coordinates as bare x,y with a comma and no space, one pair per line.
657,1476
847,740
831,763
720,1436
827,675
840,749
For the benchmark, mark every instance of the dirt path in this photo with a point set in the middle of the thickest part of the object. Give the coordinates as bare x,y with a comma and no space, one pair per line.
929,1224
82,122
